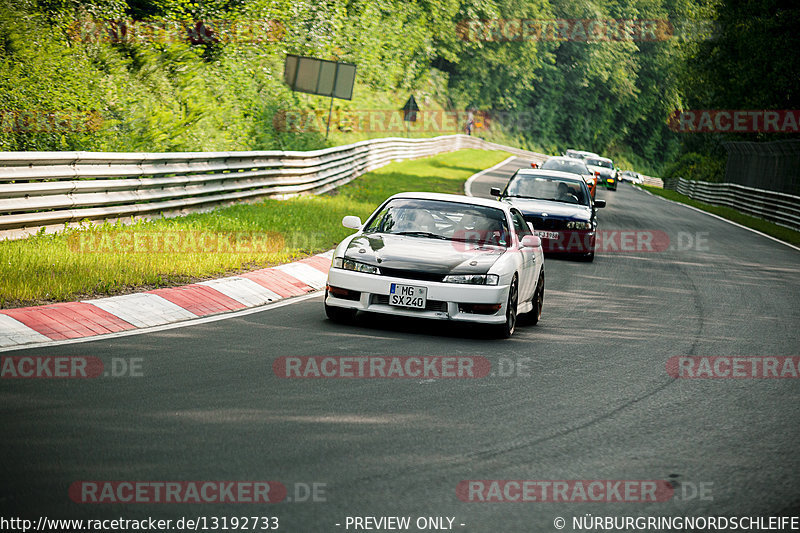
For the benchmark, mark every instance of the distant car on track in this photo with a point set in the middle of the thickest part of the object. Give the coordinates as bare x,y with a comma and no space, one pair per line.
574,166
630,175
439,256
559,207
603,167
579,154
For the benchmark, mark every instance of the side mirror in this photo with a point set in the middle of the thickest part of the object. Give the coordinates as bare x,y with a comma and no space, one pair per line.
494,191
351,222
599,203
531,241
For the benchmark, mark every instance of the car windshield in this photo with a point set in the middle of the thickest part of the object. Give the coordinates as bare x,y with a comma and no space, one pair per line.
565,165
547,188
600,163
436,219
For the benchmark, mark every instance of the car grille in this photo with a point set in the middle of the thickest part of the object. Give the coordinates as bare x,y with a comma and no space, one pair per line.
540,223
410,274
430,305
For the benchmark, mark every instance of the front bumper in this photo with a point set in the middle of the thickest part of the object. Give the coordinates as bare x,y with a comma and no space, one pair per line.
445,301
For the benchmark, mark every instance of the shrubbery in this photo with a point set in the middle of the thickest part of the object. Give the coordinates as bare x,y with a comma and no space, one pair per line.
696,166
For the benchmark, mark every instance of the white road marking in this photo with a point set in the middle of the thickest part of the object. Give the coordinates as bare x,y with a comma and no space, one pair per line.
770,237
468,183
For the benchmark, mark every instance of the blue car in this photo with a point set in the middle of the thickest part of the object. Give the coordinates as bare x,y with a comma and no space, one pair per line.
559,207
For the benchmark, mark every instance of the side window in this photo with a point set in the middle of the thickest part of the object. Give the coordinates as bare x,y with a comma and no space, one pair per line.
520,226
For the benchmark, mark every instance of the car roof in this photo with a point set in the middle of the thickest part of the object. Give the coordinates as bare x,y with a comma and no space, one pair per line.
583,152
460,198
564,158
553,173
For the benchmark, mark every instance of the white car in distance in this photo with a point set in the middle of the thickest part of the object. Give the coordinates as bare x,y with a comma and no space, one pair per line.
442,257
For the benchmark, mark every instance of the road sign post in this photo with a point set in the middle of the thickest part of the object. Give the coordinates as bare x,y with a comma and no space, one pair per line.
322,77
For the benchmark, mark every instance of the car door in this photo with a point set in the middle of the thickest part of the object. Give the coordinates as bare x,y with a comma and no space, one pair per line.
529,262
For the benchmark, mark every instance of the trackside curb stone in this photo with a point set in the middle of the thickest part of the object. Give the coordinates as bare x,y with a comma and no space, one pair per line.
29,326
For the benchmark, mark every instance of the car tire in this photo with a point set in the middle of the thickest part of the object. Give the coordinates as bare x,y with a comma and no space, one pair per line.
538,301
342,315
505,330
588,257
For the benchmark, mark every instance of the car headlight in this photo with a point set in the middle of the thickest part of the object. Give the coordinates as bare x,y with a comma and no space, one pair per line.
473,279
349,264
575,224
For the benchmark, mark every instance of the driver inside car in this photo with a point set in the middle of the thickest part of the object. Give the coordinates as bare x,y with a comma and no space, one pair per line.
565,194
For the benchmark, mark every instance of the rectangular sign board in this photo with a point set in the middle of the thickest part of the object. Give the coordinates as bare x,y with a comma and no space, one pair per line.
320,76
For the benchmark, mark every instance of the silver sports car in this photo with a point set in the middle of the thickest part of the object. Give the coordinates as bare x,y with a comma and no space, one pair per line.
439,256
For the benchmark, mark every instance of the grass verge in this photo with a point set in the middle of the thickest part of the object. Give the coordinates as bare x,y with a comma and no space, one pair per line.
116,259
774,230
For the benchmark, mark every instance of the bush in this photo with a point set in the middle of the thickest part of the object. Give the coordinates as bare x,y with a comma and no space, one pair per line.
695,166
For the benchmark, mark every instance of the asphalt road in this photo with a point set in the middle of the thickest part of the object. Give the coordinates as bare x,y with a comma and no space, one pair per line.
595,402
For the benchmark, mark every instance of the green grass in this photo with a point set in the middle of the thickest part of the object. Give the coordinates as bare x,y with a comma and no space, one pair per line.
774,230
53,268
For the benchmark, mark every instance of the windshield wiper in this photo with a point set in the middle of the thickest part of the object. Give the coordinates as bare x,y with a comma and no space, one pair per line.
421,234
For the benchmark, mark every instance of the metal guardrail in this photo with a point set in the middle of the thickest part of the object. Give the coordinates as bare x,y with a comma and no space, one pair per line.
655,182
53,189
777,207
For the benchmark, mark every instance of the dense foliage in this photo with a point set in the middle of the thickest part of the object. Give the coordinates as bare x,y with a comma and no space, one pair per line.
218,85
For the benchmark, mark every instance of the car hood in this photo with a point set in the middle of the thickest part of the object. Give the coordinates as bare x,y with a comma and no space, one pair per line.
553,209
421,254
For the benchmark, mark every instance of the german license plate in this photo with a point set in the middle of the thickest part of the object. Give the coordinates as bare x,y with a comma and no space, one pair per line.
408,296
546,234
